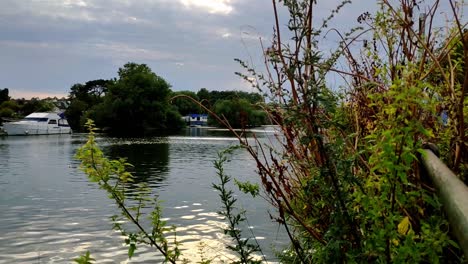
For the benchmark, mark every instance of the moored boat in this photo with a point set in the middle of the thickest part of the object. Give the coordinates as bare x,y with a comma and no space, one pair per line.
38,124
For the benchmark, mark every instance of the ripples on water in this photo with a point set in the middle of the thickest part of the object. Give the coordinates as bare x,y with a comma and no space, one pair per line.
50,213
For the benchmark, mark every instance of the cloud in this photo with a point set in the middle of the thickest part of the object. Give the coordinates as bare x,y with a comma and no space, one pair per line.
28,45
191,43
58,9
128,52
212,6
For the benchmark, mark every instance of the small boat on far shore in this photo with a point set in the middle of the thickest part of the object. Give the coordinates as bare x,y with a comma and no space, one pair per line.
38,124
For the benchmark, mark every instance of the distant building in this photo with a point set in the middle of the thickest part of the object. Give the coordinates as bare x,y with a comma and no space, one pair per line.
196,119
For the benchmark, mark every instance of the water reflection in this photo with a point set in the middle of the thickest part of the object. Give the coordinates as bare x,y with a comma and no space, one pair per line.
196,132
5,158
149,157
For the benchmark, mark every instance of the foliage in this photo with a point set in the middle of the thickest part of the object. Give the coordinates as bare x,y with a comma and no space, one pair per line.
454,100
242,246
6,112
91,92
4,95
140,102
10,104
204,96
82,98
240,113
346,180
75,114
215,96
113,177
18,108
36,105
344,175
184,106
247,187
84,259
203,259
240,109
8,109
14,109
136,103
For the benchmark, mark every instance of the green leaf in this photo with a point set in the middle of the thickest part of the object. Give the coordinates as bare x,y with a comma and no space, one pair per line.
404,226
247,187
84,259
131,250
453,243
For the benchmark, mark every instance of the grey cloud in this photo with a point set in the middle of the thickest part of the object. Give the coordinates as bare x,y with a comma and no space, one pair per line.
56,43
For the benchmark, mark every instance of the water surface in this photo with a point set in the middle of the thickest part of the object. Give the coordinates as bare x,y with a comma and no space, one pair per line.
51,213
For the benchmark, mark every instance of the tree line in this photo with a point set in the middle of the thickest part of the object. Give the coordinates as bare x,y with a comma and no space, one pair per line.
11,109
240,109
139,102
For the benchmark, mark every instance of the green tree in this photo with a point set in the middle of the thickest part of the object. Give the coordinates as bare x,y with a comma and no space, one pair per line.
204,97
82,98
91,92
203,94
209,98
11,104
185,106
74,114
137,103
234,95
4,95
35,105
240,113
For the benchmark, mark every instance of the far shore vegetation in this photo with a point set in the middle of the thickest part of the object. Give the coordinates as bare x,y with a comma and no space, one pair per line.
139,102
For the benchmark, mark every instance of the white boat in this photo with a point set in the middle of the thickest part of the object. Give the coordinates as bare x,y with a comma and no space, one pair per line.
38,124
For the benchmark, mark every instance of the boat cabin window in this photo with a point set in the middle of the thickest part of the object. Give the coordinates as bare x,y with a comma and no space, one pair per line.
36,119
63,122
53,121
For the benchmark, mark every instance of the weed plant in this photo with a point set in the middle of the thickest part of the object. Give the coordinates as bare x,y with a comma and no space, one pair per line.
345,176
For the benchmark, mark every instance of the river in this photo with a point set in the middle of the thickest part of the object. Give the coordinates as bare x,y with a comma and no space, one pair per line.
51,213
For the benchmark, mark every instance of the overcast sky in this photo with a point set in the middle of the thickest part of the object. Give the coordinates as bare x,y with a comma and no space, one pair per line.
48,45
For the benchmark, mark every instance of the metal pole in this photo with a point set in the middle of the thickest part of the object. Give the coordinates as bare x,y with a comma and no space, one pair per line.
453,194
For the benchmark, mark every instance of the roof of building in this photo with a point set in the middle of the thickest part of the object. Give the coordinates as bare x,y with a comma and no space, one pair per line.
198,115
